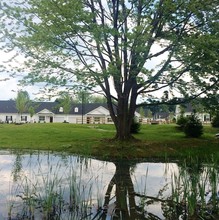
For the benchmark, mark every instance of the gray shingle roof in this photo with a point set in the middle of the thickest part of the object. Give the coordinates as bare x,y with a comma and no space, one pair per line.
9,106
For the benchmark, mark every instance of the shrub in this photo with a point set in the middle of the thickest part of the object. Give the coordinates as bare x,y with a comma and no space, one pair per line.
215,121
135,127
193,127
181,121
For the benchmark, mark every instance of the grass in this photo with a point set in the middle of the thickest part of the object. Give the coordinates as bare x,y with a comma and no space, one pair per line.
96,140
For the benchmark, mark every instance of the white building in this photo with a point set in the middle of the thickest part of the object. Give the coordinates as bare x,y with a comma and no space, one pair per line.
51,112
189,109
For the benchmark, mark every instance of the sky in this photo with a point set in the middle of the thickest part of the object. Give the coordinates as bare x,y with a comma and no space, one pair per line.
10,86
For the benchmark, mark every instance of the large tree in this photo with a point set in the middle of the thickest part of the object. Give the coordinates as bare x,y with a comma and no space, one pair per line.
128,48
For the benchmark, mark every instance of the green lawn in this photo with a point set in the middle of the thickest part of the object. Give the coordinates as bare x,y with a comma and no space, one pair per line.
96,140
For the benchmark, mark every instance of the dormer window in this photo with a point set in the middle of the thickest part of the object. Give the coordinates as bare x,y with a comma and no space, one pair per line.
76,109
61,109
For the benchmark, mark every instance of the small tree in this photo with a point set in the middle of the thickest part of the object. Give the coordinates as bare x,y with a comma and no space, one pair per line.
193,127
135,127
172,117
22,101
149,114
181,121
142,113
215,121
31,110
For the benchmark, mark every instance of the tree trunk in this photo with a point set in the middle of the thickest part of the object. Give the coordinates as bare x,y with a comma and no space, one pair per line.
124,193
123,118
123,127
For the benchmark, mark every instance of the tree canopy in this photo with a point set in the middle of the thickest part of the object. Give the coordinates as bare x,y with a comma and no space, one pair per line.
22,101
83,96
127,48
65,102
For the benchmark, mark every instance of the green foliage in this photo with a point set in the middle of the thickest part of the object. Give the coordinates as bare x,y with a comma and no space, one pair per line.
135,127
97,99
211,102
193,127
141,112
215,121
181,121
149,114
31,110
22,101
83,96
65,101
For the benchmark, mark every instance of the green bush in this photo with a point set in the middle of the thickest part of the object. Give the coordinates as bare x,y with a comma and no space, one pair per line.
181,121
135,127
193,127
215,121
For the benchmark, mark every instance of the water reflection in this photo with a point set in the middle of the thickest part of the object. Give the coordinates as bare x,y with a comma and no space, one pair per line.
53,186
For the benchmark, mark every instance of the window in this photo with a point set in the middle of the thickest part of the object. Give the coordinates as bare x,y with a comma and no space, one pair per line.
96,119
207,117
109,120
23,118
76,109
61,109
41,118
8,118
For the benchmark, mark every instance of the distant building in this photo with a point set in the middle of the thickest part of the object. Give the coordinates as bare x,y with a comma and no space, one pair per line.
189,109
146,116
52,112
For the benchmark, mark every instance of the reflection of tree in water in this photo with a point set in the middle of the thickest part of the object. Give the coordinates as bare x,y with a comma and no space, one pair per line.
122,204
187,201
125,206
17,167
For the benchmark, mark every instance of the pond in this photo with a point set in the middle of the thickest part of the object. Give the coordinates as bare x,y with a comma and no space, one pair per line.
45,185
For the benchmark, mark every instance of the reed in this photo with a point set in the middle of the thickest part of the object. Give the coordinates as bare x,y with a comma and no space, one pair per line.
196,191
48,195
56,193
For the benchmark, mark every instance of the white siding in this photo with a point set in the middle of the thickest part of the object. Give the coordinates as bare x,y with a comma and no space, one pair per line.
59,118
72,119
3,117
